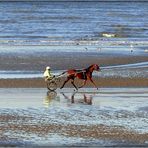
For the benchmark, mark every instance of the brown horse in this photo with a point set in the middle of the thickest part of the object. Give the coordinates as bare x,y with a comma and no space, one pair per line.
84,74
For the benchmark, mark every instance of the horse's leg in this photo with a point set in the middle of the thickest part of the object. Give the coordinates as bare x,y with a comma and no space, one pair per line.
93,82
84,82
72,82
85,98
72,98
65,83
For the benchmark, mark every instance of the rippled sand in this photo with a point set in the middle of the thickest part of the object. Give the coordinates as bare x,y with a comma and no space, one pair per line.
105,117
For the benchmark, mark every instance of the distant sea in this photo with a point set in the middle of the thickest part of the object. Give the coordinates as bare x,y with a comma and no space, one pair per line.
43,23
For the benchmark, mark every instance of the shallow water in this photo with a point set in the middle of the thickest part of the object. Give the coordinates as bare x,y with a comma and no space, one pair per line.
113,107
87,106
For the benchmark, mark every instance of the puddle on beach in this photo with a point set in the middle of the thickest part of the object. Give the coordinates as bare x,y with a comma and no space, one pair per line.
40,117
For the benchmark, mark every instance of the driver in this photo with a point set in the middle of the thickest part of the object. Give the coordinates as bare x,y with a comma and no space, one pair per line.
47,74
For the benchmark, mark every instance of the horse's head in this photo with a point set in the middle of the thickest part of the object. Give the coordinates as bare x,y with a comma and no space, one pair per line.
96,67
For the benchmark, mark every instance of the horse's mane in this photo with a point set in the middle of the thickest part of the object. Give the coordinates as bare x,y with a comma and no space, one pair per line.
90,66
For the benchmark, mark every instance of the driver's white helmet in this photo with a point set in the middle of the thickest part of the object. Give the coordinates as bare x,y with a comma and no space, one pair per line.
48,67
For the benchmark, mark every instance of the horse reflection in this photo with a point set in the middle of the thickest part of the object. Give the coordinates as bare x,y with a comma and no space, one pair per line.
86,99
49,97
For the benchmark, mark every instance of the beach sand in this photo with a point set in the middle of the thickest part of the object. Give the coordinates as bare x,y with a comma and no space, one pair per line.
117,135
35,117
67,60
100,82
64,61
117,115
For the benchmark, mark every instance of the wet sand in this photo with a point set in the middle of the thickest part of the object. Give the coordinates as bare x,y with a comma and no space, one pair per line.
67,60
113,116
114,134
64,61
100,82
35,117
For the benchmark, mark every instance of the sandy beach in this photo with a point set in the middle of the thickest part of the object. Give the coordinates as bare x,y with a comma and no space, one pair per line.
114,115
103,82
68,60
36,117
116,71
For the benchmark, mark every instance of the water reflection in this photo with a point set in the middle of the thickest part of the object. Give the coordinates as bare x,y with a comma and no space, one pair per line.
83,98
54,98
49,97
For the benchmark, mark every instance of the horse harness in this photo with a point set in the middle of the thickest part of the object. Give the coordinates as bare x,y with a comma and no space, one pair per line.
84,76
